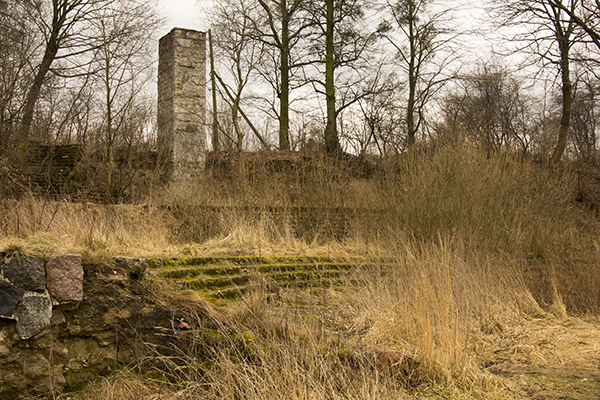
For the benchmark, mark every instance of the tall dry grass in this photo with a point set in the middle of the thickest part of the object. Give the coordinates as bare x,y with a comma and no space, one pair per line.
47,227
501,207
456,245
405,330
506,209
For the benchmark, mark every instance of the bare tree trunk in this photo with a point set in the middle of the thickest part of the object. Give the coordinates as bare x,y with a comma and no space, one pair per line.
284,97
215,123
412,87
109,138
239,143
34,91
332,144
567,99
63,25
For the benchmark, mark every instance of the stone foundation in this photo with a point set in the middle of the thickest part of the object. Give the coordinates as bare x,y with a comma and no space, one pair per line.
64,328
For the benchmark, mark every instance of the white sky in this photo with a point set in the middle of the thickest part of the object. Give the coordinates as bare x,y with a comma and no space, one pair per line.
184,14
191,14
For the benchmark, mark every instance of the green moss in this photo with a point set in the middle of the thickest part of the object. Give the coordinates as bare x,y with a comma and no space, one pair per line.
226,277
240,344
227,294
222,271
154,263
227,281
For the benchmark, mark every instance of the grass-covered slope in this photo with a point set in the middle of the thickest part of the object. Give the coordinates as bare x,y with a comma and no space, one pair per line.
455,266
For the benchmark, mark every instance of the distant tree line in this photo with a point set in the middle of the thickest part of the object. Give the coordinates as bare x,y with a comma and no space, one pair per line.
77,71
367,78
384,77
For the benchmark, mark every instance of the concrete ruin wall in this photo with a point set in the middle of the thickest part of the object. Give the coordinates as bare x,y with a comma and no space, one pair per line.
182,103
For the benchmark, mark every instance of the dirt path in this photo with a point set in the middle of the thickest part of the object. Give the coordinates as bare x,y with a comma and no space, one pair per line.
546,359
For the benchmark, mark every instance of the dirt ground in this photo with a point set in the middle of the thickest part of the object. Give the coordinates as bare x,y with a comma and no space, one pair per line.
546,359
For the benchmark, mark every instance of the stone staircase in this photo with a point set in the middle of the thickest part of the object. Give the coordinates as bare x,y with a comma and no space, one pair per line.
231,277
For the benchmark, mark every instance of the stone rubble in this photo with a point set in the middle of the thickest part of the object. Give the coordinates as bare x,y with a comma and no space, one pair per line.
81,326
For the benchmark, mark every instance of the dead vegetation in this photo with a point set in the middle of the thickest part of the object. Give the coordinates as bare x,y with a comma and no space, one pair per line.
477,280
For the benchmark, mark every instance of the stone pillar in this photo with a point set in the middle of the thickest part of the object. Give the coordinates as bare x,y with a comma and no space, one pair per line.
182,103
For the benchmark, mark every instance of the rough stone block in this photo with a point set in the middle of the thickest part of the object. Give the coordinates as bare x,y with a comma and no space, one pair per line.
10,296
25,272
64,276
134,266
33,314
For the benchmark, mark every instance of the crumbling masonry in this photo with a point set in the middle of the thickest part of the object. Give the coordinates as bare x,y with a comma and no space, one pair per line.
182,103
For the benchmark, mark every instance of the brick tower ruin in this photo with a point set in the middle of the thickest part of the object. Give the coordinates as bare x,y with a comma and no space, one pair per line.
182,103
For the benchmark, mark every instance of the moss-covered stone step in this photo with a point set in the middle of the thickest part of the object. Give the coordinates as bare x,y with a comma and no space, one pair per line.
212,283
199,282
238,260
179,272
231,293
229,277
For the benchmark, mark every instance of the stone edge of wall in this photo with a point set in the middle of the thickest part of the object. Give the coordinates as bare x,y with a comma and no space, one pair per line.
30,287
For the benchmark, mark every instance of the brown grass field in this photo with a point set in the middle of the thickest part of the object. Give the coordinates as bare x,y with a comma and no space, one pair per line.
490,286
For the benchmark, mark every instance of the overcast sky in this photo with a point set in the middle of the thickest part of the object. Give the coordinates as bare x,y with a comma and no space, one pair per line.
184,14
190,14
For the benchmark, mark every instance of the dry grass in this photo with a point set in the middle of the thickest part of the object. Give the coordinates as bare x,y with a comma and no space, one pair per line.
47,227
472,247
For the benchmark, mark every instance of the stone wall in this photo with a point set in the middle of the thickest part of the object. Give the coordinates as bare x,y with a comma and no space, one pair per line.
181,103
29,288
64,323
48,168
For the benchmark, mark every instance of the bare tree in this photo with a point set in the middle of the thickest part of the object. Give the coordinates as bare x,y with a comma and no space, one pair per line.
213,91
422,39
18,46
375,123
342,43
59,102
587,16
124,29
284,28
491,108
63,25
548,33
235,33
586,119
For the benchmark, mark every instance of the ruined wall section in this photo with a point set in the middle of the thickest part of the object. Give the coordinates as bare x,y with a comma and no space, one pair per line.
182,103
65,322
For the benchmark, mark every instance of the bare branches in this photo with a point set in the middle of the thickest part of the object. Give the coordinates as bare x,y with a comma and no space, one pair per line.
234,25
282,29
554,35
66,36
422,38
588,20
123,57
239,109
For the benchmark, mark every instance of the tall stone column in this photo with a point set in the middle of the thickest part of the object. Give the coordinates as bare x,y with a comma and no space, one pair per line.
182,103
